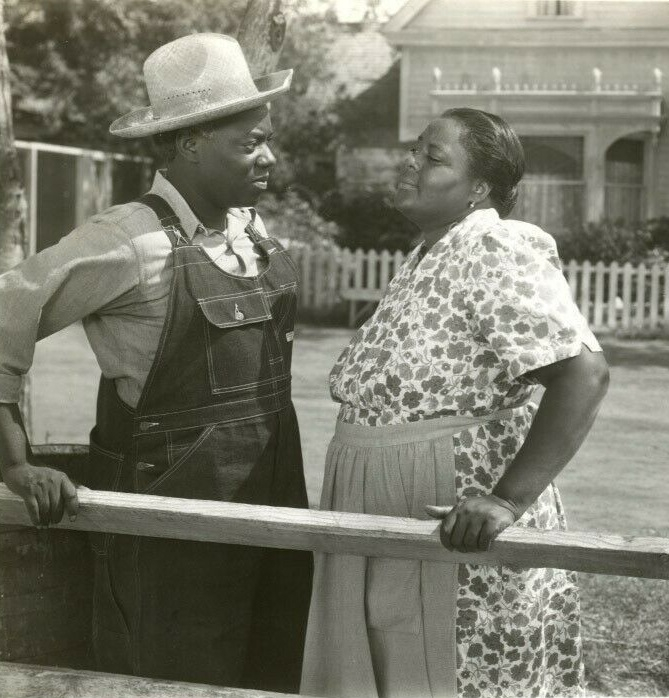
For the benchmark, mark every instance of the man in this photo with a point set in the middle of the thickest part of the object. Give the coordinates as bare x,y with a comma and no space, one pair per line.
189,308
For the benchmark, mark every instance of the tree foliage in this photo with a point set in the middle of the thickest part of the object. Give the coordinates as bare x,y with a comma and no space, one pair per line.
77,65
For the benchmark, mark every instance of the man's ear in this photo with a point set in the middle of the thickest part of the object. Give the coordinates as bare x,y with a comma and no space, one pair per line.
187,145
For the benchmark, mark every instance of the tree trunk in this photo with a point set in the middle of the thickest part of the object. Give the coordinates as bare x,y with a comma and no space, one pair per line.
12,200
13,207
261,35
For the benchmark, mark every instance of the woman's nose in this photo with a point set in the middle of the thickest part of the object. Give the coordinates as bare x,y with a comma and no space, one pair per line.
410,162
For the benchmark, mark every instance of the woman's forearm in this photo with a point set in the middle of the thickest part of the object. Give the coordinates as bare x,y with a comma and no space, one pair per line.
574,391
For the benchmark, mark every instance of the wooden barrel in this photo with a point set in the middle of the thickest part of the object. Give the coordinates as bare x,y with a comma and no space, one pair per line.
46,582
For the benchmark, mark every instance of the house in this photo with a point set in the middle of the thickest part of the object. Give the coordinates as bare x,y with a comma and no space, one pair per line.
582,83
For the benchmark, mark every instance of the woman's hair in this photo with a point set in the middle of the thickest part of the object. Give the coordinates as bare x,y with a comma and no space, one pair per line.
495,154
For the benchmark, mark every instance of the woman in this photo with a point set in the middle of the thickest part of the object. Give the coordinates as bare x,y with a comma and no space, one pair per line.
435,392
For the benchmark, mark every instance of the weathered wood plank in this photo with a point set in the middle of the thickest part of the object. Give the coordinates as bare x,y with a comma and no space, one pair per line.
355,534
30,681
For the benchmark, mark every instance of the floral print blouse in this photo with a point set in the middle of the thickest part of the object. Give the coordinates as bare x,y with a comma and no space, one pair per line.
459,329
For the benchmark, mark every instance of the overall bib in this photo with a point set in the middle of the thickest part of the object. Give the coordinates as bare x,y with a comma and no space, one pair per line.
215,421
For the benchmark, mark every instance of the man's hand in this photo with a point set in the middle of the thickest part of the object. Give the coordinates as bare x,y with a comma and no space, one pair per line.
47,493
474,523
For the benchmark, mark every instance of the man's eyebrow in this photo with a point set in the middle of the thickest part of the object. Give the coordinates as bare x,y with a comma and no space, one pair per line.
259,133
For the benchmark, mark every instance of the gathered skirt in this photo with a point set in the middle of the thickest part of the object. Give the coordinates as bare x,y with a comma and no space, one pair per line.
388,628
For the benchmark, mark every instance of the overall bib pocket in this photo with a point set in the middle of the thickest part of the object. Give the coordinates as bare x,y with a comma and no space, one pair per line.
242,347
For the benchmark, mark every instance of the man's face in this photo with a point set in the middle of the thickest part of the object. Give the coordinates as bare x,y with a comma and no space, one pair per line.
235,159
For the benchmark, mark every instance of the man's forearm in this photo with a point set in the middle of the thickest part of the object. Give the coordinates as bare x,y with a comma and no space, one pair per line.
14,445
564,418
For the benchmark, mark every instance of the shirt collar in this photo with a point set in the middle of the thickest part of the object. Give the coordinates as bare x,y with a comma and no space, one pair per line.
236,219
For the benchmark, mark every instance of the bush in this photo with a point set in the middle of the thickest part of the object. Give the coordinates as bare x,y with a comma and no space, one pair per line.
369,221
289,217
614,241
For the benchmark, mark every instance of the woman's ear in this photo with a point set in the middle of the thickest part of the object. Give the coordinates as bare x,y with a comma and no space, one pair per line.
480,191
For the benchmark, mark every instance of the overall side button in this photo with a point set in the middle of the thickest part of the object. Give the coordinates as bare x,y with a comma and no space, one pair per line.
145,426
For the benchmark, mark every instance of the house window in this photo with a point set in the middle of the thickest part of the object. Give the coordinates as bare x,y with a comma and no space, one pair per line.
545,9
551,194
625,194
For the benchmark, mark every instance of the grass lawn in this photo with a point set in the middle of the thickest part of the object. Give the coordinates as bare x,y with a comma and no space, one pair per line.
618,482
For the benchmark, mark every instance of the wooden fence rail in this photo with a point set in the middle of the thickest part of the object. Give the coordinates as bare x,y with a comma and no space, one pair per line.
346,533
611,296
30,681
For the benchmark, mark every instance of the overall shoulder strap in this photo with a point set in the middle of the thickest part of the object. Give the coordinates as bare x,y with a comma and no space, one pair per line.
168,218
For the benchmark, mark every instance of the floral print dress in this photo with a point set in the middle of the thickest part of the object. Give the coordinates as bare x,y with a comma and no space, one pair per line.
456,334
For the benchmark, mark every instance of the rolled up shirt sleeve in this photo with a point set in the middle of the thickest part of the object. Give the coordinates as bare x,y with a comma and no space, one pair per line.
521,304
87,271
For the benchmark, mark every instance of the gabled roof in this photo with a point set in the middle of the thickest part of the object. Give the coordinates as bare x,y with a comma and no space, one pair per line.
356,61
399,20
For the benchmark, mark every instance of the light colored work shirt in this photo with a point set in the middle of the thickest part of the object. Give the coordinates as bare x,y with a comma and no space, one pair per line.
114,273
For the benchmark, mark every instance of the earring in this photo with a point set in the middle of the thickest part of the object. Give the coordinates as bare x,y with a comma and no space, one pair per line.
471,204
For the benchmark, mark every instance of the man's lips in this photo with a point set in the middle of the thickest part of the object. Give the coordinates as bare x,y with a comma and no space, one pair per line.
406,184
260,182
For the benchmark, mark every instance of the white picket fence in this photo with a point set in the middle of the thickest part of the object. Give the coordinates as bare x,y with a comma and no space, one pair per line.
611,297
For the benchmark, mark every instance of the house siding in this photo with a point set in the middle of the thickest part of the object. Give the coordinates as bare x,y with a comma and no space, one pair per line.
466,39
624,66
450,14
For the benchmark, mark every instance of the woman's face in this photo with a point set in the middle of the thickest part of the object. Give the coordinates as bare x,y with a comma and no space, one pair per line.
435,187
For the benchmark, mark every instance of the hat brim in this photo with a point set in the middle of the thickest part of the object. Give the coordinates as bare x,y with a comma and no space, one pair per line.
141,122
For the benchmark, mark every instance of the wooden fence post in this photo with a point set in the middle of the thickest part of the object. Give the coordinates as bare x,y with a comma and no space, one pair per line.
654,296
640,304
598,317
627,295
612,310
585,290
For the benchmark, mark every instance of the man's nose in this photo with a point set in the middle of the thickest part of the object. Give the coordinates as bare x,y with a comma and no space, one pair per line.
266,157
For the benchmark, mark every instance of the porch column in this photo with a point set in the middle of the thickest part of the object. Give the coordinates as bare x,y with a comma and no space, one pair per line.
594,174
650,173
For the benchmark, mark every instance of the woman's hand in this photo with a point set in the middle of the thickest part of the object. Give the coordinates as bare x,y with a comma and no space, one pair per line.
47,493
474,523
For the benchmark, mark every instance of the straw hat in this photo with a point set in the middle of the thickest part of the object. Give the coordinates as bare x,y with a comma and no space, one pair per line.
194,79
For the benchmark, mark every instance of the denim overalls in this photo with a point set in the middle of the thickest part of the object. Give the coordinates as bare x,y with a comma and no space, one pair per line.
214,421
